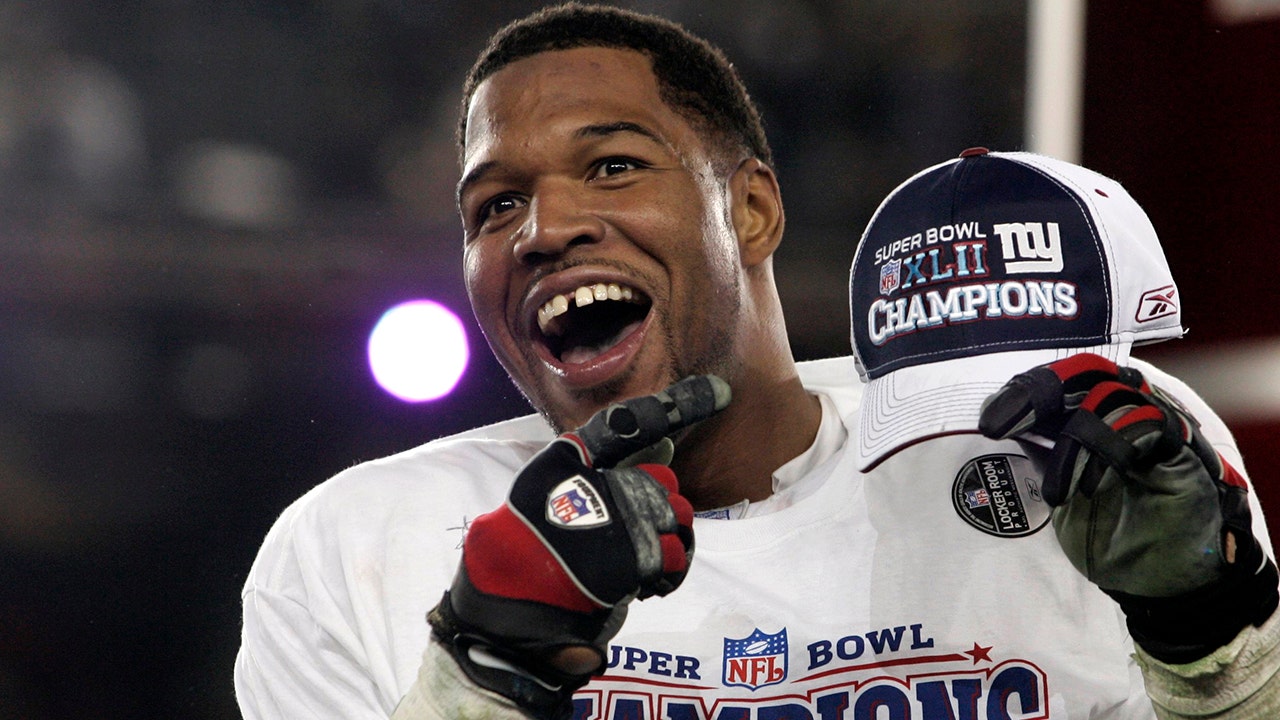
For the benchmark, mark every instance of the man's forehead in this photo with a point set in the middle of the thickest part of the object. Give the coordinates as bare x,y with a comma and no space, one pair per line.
556,82
577,65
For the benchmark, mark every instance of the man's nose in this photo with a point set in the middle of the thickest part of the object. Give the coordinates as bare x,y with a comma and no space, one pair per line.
556,220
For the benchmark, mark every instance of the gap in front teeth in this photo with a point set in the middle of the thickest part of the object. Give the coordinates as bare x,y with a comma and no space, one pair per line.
584,295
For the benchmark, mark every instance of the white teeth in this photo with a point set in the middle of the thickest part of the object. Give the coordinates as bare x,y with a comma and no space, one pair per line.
581,297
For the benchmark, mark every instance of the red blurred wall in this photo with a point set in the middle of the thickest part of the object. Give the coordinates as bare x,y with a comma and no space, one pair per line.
1183,108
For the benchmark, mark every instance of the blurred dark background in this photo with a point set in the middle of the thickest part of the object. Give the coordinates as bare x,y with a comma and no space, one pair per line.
205,207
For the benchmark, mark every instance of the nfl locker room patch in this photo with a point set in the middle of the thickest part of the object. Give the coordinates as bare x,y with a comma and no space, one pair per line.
999,494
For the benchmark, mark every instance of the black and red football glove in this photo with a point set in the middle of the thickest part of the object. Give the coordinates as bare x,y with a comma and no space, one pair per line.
578,539
1143,504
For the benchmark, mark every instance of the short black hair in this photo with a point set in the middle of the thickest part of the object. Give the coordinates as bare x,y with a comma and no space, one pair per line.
694,77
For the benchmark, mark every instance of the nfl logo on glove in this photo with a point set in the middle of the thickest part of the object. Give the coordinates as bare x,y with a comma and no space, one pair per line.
574,504
981,267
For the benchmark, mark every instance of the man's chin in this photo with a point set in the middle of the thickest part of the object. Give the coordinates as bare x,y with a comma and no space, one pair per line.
573,412
568,409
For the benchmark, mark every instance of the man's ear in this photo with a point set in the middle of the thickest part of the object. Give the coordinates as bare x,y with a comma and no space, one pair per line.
756,211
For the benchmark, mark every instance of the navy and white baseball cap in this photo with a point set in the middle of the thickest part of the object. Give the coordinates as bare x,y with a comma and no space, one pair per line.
985,266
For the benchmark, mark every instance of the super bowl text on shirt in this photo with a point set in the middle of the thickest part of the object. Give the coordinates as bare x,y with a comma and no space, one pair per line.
893,673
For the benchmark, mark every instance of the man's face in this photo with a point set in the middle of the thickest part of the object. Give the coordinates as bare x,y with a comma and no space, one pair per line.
599,258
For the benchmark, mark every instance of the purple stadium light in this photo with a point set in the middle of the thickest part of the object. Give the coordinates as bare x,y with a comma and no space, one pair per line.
418,351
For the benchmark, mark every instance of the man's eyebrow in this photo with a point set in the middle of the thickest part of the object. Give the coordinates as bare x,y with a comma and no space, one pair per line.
471,177
604,129
584,132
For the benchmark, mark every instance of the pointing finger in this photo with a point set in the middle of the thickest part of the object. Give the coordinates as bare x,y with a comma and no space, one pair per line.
624,428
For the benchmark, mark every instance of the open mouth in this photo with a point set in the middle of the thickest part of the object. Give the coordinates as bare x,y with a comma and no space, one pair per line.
579,326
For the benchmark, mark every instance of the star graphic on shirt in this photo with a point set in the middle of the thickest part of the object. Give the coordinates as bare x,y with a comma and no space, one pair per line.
979,653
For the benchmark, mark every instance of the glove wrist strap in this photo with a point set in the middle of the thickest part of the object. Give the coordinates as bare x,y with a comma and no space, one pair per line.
539,690
1182,629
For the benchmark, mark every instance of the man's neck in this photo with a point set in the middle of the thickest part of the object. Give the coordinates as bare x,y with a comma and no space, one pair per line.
734,457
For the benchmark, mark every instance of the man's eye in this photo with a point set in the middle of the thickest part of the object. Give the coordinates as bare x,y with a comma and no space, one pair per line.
499,205
613,166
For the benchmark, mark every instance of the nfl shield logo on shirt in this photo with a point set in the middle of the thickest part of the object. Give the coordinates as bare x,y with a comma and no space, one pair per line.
756,660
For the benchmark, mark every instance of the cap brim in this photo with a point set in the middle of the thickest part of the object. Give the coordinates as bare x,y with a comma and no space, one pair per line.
916,403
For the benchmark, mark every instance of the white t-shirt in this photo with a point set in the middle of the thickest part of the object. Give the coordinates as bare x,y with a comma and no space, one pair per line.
930,588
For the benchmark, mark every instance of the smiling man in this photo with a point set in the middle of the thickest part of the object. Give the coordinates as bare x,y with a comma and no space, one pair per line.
620,214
